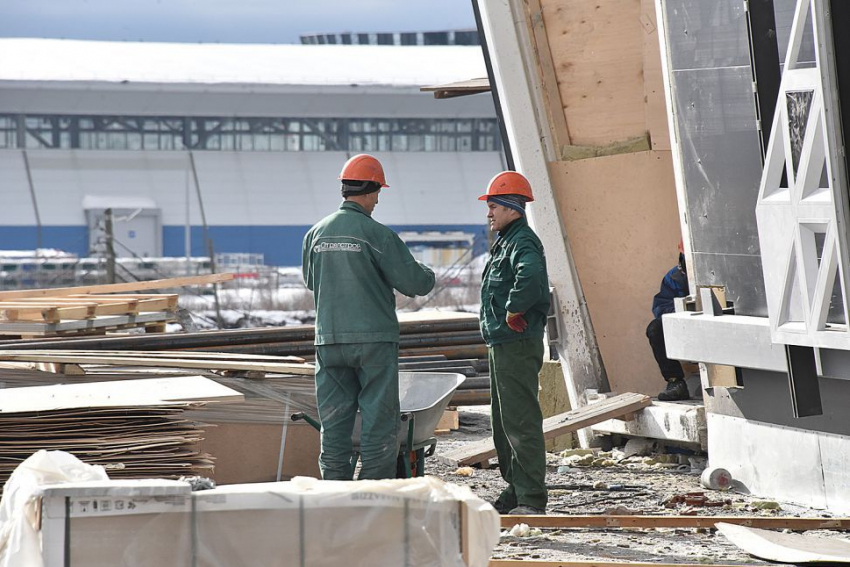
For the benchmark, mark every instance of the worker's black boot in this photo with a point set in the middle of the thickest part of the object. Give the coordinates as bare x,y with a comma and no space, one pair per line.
676,390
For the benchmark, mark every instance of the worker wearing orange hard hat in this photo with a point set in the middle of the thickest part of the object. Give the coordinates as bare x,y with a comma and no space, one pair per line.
514,305
353,264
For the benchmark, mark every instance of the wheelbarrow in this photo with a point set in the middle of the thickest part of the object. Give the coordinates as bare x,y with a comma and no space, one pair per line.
423,398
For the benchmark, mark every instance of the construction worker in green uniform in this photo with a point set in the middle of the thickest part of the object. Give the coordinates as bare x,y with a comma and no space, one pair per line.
514,305
352,263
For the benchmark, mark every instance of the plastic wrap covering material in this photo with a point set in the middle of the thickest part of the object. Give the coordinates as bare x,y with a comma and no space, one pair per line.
19,509
412,522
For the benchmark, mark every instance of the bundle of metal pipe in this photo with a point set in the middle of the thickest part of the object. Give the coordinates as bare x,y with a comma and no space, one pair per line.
445,344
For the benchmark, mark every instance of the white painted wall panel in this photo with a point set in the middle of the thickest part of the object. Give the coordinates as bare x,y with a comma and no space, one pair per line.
835,456
63,178
239,188
772,461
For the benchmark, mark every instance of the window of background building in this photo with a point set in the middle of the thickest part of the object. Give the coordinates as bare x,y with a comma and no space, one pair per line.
249,134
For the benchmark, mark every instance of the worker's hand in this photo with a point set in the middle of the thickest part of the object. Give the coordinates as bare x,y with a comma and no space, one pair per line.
516,322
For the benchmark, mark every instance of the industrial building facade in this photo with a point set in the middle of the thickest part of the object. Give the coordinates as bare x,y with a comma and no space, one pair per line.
244,142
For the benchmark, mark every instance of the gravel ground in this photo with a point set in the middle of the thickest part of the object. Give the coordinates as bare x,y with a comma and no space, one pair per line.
641,485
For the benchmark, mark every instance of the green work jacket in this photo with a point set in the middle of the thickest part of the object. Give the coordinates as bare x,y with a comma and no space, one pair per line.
352,263
514,280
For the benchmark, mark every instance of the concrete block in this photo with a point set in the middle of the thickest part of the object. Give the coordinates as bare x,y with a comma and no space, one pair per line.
669,421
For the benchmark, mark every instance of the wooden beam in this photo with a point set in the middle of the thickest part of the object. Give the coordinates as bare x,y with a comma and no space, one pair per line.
119,288
147,299
554,426
548,78
460,88
68,357
774,522
180,354
522,563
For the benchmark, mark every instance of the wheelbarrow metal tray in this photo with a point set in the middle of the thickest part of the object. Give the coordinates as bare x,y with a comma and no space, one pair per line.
426,395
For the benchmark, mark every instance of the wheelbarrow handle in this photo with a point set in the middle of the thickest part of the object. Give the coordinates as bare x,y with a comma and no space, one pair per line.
301,415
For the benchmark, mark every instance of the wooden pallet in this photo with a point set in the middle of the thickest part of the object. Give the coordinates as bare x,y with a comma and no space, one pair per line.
84,306
615,407
97,325
93,309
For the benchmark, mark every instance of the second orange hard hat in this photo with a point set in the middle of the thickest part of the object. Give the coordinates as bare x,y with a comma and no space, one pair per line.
508,183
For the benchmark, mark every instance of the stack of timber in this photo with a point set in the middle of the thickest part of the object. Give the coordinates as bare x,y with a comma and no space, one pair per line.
429,342
135,429
93,309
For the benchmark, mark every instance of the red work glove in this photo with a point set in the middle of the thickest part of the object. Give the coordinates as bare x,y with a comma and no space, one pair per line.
516,322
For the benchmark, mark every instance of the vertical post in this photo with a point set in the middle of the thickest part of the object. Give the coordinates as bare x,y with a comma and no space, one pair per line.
187,235
207,238
110,246
34,200
803,381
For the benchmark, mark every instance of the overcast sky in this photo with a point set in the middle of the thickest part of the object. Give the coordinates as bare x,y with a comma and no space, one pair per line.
225,21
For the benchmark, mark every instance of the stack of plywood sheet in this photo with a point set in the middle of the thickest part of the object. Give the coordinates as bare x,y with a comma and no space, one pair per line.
134,428
92,309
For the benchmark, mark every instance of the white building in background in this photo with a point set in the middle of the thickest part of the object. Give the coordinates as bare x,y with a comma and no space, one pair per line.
247,139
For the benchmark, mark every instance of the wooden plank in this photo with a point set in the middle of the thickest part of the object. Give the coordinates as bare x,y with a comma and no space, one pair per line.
553,427
118,288
148,300
548,79
179,354
65,357
459,88
648,522
534,563
123,393
787,548
655,107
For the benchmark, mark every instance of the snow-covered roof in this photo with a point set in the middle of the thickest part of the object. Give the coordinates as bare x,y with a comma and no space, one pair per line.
86,61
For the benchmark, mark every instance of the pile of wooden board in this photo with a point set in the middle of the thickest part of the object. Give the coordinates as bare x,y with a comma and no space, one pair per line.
93,309
233,363
135,428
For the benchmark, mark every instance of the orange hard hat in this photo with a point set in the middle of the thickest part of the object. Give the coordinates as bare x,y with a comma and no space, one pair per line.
508,183
363,167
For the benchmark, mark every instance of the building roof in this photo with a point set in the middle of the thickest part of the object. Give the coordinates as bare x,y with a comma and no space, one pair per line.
256,64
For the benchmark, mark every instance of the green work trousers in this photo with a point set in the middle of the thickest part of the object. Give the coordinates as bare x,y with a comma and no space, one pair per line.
348,377
517,421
